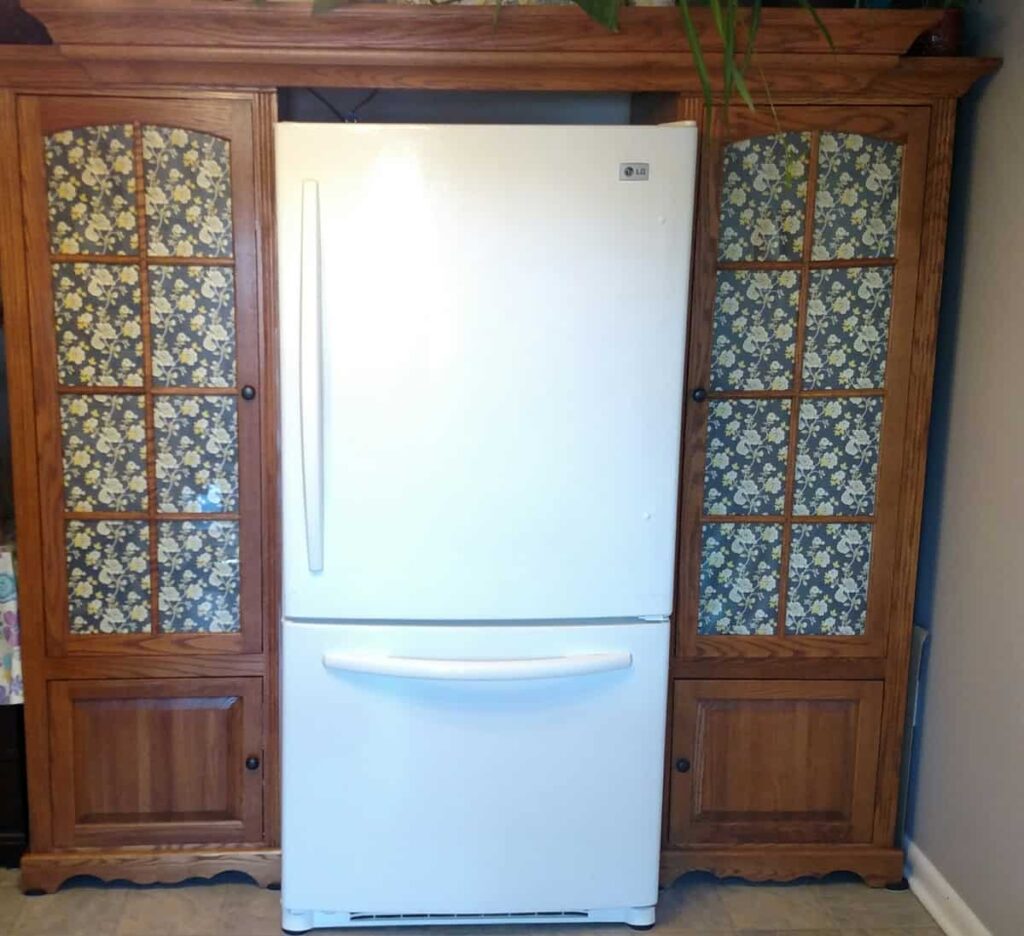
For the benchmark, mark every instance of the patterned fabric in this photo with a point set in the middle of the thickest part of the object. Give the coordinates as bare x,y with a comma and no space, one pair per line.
837,456
188,193
739,578
199,577
764,198
192,310
91,190
104,438
12,688
828,579
754,340
108,576
857,199
196,454
747,450
98,320
847,331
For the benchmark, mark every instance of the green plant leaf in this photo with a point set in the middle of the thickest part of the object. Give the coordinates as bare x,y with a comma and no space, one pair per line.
693,41
741,87
606,12
806,4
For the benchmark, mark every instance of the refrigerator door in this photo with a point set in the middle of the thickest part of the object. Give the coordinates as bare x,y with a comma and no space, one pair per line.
459,769
482,337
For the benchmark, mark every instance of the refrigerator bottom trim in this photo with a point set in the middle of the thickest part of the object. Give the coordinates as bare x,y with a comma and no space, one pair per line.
302,921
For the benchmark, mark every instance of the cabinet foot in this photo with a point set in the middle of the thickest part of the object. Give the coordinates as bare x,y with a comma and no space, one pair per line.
640,918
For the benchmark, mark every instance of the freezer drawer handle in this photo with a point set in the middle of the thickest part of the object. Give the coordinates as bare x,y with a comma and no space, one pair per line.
311,376
488,670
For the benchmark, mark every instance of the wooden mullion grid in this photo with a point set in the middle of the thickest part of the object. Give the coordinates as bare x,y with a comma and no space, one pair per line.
787,394
107,259
798,358
150,390
147,380
806,262
796,518
144,515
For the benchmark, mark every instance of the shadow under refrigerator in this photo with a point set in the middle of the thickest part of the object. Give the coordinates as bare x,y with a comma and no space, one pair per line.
482,336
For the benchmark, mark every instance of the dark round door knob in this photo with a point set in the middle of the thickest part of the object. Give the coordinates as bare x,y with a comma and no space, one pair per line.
248,392
682,765
699,395
252,762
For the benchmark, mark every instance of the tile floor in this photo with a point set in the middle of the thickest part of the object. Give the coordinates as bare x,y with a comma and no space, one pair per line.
697,904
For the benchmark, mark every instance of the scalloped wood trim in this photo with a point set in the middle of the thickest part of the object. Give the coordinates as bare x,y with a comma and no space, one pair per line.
47,871
877,866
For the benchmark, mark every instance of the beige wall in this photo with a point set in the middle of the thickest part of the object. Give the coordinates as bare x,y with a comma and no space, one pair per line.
968,804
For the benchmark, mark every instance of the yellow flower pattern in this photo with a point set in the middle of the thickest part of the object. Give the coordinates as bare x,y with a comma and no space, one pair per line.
91,190
108,576
101,342
198,576
104,452
192,315
196,454
98,320
188,193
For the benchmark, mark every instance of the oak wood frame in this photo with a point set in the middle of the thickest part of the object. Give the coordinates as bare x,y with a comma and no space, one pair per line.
910,127
454,48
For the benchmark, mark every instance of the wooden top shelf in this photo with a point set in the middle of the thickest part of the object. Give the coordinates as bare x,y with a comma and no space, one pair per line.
234,43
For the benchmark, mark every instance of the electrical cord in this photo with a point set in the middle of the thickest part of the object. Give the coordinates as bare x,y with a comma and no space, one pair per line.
352,114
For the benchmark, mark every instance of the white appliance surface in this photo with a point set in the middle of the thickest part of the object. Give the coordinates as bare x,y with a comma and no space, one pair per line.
482,339
476,781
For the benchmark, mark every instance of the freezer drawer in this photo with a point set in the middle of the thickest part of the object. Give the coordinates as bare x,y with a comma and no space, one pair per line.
471,769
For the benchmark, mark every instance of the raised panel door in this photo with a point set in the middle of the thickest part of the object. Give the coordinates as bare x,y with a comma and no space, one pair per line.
773,761
139,761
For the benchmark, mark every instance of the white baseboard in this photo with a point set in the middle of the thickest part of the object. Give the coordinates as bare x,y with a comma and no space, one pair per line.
939,898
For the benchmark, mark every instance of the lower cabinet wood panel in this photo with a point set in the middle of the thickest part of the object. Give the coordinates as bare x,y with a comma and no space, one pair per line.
783,761
150,761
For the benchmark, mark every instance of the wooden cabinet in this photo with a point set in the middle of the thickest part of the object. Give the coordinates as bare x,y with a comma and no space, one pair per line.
773,761
153,723
145,762
809,366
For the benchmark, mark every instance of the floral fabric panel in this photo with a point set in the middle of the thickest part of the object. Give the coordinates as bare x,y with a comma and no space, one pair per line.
199,577
12,684
104,438
192,315
196,454
847,330
188,193
747,450
754,339
90,190
764,198
108,576
98,321
828,579
739,578
857,199
837,456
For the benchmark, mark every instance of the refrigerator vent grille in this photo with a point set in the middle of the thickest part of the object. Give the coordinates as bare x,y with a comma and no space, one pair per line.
440,917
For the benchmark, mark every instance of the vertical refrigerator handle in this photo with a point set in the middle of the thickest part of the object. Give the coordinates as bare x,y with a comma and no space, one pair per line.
311,376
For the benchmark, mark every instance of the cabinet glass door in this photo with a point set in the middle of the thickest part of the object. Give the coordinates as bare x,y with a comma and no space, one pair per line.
803,319
146,351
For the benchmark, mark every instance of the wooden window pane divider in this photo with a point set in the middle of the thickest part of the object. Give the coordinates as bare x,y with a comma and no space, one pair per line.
158,516
787,519
806,264
136,259
792,393
142,390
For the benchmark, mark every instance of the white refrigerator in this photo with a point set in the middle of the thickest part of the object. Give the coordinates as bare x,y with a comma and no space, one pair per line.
482,336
